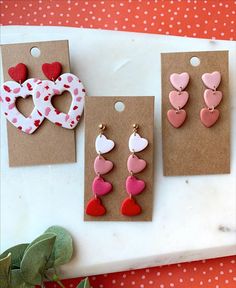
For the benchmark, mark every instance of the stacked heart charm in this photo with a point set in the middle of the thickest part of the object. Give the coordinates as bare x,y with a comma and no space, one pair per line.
212,99
135,165
178,99
100,186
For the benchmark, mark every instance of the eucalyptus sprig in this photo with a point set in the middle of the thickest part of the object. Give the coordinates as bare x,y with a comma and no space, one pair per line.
30,264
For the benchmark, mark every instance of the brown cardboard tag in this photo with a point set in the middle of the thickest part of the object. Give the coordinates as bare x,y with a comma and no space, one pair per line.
49,144
194,149
138,110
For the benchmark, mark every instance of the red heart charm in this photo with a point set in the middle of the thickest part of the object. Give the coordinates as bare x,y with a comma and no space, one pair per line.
209,117
95,207
100,186
52,71
176,118
130,208
18,73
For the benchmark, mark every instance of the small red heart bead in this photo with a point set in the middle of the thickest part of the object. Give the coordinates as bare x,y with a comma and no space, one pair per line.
52,70
18,73
95,207
130,208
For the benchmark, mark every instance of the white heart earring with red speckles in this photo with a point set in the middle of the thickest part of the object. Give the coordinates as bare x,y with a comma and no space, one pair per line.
56,85
20,87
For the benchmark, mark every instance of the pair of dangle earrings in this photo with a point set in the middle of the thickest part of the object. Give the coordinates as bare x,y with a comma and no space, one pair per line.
178,99
102,166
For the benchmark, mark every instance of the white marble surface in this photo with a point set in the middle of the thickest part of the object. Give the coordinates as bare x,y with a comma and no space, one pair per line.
194,217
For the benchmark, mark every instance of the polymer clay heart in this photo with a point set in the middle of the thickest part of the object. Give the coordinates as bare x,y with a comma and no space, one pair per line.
137,143
134,186
95,207
102,166
103,145
212,98
9,92
209,117
135,165
130,208
178,99
212,80
18,73
176,118
179,81
52,70
46,89
101,187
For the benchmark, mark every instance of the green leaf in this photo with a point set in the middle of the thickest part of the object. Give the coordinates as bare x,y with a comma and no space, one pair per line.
40,238
17,281
17,253
5,266
35,259
84,284
63,248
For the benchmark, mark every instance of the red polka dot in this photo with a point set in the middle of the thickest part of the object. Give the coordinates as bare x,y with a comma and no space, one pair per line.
161,17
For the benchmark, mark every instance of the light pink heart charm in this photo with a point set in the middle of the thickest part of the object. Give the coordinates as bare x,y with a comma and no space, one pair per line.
135,165
101,187
176,118
9,92
46,89
212,98
178,99
212,80
134,186
102,166
179,81
209,117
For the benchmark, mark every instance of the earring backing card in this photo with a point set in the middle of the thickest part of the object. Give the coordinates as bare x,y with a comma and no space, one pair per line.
49,144
194,149
119,128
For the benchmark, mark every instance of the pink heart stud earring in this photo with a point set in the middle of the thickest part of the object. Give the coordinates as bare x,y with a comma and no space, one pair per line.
178,99
212,98
135,165
100,187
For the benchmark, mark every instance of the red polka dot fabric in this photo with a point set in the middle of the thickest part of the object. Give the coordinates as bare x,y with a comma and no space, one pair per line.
214,273
215,19
212,19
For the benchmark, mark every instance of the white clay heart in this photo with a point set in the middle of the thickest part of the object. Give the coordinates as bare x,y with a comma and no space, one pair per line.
103,145
9,92
137,143
46,89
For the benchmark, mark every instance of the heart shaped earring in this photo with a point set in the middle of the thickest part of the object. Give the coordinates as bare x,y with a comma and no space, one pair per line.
56,85
20,87
100,187
178,99
212,98
134,186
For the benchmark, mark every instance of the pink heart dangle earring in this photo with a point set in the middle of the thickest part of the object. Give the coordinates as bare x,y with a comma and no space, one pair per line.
100,187
212,98
135,165
178,99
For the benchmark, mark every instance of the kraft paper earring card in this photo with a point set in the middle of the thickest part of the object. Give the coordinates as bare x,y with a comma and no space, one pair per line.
201,145
120,128
33,139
